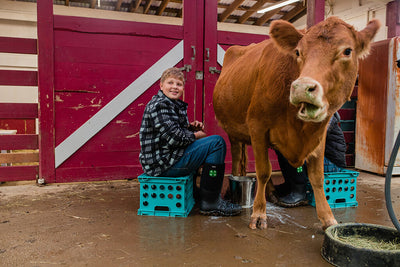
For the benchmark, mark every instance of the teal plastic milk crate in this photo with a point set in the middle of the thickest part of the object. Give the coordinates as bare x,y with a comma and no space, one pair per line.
166,196
340,189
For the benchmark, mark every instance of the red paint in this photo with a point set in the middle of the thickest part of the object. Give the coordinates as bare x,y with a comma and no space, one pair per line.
18,116
101,173
349,137
46,93
238,38
94,61
18,45
18,173
86,62
116,27
213,37
18,77
22,126
18,110
393,19
193,56
347,114
19,141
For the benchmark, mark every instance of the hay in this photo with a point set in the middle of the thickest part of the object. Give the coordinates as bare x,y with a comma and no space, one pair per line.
368,242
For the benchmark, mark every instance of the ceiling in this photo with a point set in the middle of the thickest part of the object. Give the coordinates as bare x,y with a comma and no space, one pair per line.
231,11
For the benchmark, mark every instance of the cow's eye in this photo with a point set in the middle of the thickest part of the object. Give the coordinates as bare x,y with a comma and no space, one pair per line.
347,52
297,52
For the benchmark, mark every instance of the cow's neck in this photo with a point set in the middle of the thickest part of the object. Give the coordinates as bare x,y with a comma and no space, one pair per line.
301,143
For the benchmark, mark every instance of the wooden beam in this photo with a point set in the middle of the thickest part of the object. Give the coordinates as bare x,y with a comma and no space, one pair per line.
294,12
264,18
19,157
162,7
93,3
118,5
229,10
18,45
18,111
45,33
393,18
134,5
299,16
18,77
18,173
315,12
67,2
252,10
19,141
147,6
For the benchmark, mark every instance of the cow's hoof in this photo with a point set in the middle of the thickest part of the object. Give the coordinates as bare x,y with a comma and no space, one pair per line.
258,222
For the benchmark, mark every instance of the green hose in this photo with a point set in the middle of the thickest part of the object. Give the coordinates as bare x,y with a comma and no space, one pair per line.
388,179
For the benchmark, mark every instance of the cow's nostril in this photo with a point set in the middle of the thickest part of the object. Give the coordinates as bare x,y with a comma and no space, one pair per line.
311,89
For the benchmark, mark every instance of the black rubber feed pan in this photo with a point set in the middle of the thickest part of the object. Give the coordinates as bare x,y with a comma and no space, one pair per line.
359,244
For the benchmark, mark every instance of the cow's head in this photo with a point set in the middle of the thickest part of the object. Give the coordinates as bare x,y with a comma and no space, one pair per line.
327,55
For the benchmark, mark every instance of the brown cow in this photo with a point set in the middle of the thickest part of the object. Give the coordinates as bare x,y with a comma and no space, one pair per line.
281,93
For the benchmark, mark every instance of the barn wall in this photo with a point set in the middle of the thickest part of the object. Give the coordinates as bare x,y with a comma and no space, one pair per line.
18,19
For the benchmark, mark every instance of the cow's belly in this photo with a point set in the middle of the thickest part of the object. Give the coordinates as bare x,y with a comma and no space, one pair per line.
237,132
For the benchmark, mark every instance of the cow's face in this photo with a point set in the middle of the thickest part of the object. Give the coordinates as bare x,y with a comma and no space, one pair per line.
327,56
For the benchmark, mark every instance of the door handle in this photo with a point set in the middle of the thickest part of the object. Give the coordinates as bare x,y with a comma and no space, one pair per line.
207,54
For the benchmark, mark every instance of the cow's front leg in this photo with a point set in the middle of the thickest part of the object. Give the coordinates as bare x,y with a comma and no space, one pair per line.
315,168
263,172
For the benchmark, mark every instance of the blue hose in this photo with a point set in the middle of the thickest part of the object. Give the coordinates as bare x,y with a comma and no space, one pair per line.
388,179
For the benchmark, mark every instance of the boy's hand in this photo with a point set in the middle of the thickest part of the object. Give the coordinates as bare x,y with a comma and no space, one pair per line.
196,126
199,134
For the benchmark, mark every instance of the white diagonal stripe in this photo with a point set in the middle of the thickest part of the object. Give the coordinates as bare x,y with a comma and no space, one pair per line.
220,55
91,127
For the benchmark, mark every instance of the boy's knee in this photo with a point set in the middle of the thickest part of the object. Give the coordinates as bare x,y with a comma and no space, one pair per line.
219,140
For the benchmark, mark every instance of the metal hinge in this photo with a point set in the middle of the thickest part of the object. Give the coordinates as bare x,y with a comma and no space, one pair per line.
214,70
199,75
186,68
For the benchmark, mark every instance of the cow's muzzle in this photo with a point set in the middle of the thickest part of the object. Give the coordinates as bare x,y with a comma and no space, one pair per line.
307,94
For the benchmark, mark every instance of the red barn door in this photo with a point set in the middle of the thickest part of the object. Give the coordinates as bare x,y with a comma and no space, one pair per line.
105,71
216,43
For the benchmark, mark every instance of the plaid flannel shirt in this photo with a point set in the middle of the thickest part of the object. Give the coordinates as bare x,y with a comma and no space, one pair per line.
164,134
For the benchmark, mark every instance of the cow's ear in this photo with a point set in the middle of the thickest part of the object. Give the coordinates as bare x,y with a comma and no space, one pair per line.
365,36
285,35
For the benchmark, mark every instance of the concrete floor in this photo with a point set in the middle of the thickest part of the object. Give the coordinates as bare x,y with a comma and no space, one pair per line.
96,224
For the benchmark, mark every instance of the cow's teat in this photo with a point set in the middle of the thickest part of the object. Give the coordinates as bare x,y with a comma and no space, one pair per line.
307,94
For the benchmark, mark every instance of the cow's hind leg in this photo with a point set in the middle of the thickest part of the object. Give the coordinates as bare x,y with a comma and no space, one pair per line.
243,160
238,157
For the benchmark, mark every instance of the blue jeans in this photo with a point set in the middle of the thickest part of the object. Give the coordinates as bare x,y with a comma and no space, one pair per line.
210,149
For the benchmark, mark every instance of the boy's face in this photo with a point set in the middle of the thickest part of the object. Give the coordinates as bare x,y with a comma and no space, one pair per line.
172,88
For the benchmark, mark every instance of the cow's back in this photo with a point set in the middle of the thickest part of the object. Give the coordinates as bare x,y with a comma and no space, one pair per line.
250,73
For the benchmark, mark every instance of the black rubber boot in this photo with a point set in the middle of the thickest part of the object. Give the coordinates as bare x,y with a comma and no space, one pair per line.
295,180
211,202
295,198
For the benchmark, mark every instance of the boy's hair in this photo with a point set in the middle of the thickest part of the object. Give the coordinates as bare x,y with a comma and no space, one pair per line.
173,72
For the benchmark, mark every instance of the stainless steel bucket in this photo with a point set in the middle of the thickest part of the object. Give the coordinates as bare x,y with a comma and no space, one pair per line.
242,189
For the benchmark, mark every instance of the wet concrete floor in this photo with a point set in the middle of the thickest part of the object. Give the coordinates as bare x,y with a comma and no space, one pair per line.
96,224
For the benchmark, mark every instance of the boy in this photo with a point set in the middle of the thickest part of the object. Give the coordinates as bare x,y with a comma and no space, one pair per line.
171,146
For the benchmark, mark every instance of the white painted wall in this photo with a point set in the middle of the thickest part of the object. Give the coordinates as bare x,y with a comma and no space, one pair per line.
18,19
